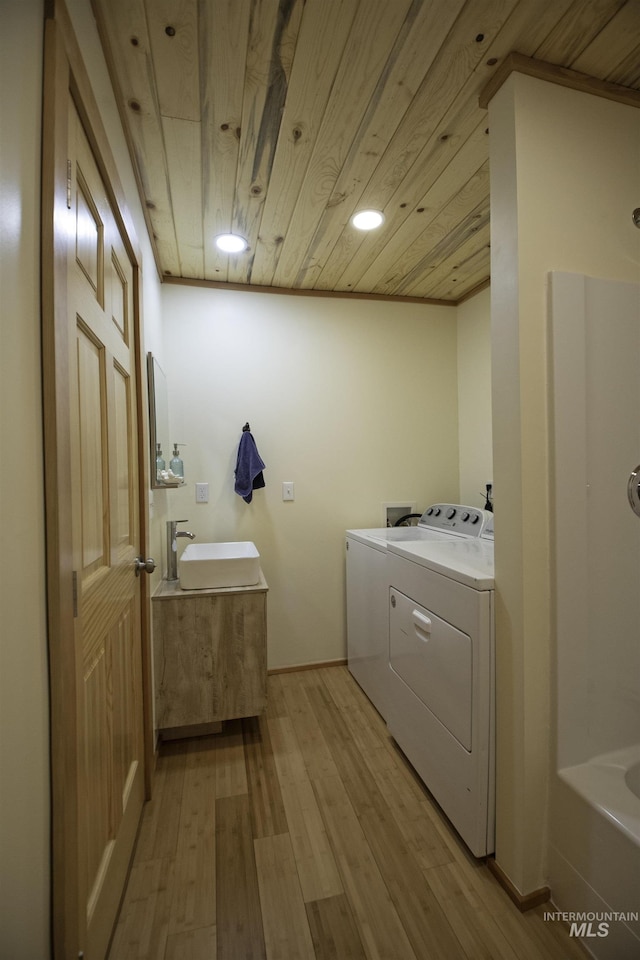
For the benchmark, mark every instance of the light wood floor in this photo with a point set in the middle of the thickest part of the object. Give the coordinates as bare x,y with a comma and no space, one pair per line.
305,835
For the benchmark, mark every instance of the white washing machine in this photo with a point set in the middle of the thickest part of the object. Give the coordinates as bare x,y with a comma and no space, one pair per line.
367,587
440,692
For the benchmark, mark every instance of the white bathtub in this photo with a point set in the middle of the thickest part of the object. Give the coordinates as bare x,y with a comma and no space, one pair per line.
595,849
611,783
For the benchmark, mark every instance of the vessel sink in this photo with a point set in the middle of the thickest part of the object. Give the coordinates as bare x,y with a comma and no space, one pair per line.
208,565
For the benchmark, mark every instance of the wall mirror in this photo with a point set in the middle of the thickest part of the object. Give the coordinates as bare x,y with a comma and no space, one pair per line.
158,416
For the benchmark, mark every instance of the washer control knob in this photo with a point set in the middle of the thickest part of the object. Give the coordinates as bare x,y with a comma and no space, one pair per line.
475,518
465,516
451,512
436,511
429,511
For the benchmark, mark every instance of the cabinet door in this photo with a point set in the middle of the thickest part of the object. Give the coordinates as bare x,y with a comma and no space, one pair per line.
210,658
435,660
238,629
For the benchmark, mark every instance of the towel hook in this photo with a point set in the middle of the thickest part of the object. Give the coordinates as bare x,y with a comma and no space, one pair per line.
246,427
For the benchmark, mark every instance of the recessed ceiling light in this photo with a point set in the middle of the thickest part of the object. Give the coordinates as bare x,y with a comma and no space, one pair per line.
367,219
231,243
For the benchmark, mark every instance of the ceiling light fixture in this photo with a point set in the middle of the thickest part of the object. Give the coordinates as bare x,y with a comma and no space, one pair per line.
367,219
231,243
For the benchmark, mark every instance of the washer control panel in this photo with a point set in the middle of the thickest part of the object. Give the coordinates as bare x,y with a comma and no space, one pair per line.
455,518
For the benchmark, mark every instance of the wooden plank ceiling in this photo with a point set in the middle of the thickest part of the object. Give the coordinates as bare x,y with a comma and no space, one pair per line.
279,119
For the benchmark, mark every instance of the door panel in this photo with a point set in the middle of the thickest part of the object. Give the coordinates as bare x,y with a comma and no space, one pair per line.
91,447
122,458
126,714
89,236
96,755
120,289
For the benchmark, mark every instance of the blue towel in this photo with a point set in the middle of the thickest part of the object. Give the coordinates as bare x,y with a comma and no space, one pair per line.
248,468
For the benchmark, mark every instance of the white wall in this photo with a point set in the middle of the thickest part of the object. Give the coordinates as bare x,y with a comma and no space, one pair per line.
355,401
564,182
474,397
24,773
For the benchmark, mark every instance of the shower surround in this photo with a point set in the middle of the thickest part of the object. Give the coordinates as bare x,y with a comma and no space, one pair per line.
594,854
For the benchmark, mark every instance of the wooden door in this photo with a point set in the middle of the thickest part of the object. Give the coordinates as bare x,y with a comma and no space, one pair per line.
105,525
95,473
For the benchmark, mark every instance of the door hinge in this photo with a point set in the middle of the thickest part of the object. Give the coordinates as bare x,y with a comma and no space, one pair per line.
75,593
69,184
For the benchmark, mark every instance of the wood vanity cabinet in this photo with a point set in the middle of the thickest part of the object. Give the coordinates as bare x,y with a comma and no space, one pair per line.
210,654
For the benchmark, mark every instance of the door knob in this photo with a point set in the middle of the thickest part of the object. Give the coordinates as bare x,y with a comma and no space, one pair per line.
141,564
633,490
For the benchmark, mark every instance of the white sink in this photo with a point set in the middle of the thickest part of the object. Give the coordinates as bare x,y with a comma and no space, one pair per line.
207,565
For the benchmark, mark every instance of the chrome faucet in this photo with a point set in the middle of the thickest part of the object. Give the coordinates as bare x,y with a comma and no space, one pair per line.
172,547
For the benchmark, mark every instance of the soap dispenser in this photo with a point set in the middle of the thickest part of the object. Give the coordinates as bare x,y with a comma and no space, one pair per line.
160,464
176,465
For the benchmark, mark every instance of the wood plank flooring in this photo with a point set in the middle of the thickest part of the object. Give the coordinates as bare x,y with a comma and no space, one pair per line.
305,835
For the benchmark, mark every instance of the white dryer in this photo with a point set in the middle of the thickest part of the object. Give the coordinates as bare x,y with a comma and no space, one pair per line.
440,691
367,587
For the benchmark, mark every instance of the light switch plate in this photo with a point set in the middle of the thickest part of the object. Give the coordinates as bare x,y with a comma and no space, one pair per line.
288,492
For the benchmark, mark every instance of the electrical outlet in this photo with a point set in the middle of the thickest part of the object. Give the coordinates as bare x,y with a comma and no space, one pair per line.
287,490
202,493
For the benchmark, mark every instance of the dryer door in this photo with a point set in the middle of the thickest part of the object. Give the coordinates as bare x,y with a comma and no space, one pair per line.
435,660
